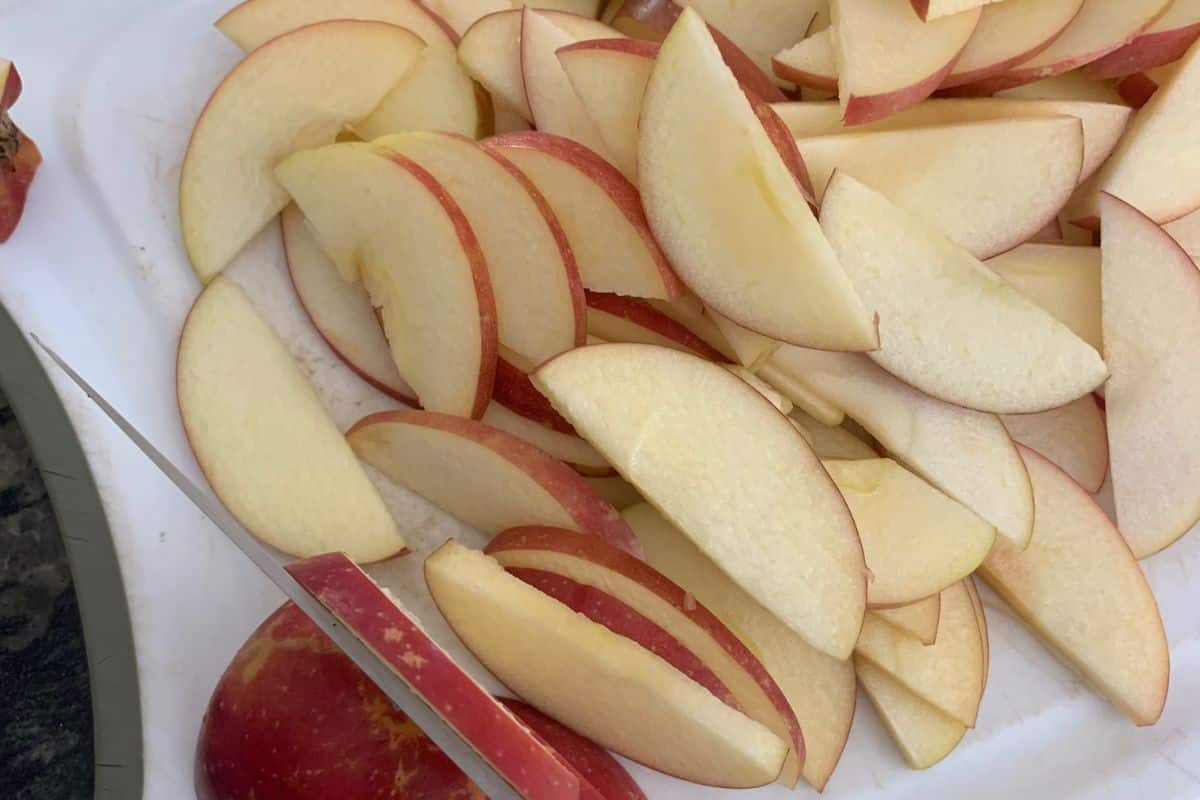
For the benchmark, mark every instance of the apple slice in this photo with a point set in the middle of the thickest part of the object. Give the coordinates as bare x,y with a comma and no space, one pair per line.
695,113
919,619
810,62
1008,34
1186,231
751,349
515,391
615,318
262,438
916,541
570,668
967,454
19,155
832,441
948,674
1151,330
889,59
1163,41
923,733
566,447
760,29
782,404
782,372
616,490
1080,589
600,211
382,218
933,9
657,415
462,14
1062,279
1072,436
485,477
819,688
1066,86
689,312
276,101
987,186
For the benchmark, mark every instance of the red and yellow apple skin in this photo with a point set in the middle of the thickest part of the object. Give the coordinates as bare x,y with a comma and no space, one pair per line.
513,390
19,155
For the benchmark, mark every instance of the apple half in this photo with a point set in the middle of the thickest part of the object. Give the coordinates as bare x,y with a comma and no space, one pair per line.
919,619
1163,41
1062,279
924,734
1008,34
19,155
1073,436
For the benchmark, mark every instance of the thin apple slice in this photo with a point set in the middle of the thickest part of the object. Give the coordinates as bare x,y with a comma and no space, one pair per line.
810,62
615,318
462,14
1010,33
383,219
889,59
485,477
987,186
832,441
659,415
1151,330
933,9
689,312
1164,41
262,438
1065,86
600,211
695,114
784,373
566,447
571,668
1062,279
751,349
820,688
919,619
515,391
278,100
1080,589
1072,436
1186,231
760,29
782,404
924,734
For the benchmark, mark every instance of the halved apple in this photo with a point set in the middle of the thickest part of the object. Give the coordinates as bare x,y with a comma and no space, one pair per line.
19,155
1062,279
659,416
832,441
615,318
1080,589
1009,33
810,62
276,101
571,668
919,619
1072,436
262,438
485,477
924,734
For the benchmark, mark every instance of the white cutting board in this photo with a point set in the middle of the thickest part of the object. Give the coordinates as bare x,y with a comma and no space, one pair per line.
111,90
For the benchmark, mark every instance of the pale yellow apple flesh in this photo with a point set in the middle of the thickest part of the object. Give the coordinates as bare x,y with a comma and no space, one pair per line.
924,734
919,619
783,372
763,28
1162,42
832,441
462,14
563,446
751,349
1072,86
1073,436
689,312
1064,280
810,62
614,318
932,9
1186,231
1009,33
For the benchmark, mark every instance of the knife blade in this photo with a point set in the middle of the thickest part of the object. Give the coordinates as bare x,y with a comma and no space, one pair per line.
405,699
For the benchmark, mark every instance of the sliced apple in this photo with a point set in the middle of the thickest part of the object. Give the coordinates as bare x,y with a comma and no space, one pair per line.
919,619
1072,436
774,397
1065,86
924,734
485,477
19,155
462,14
1009,33
1151,330
1163,41
1080,589
832,441
792,287
782,372
262,438
600,211
570,668
760,29
615,318
657,415
932,9
1062,279
566,447
1186,231
689,312
819,688
616,490
515,391
751,349
278,100
810,63
383,219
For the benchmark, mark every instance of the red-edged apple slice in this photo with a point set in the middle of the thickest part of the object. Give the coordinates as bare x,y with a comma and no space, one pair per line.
987,186
810,62
19,155
689,312
1151,330
485,477
1080,589
923,733
1164,41
783,373
615,318
1186,231
695,113
903,268
888,59
383,219
277,100
1064,280
933,9
760,29
819,688
592,567
460,15
530,765
1072,436
566,447
1008,34
264,441
600,684
919,619
1067,86
967,454
832,441
657,415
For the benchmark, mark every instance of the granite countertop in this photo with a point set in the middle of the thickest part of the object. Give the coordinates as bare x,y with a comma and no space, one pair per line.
45,711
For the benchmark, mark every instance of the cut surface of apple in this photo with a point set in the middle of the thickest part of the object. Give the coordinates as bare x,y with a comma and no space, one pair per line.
483,476
751,349
690,312
1066,86
277,100
1186,231
809,62
916,540
832,441
760,29
662,417
987,185
1151,329
1072,436
1165,40
1062,279
462,14
1009,33
386,221
924,734
820,688
1080,589
615,318
566,447
789,285
888,58
904,269
784,373
600,211
267,446
932,9
601,685
919,619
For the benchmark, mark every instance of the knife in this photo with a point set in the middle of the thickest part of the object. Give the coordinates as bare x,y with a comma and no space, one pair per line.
404,698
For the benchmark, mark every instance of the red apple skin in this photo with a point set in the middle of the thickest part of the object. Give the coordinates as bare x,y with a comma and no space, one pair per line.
19,159
516,392
861,109
1145,52
11,90
1137,89
634,47
785,144
650,318
1000,67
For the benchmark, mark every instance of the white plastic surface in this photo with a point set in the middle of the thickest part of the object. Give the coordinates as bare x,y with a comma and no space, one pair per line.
111,91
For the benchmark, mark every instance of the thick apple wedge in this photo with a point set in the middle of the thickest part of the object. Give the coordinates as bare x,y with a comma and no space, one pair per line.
276,101
615,318
485,477
1151,330
916,540
987,186
903,268
1081,590
1062,279
662,417
386,221
888,58
919,619
1072,436
789,286
600,684
832,441
810,62
819,688
1009,33
590,568
924,734
1165,40
599,210
267,446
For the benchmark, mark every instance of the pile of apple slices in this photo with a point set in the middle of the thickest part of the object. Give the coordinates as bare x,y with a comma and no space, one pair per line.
741,392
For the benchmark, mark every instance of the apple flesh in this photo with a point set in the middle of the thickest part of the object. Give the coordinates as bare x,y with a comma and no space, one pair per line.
933,9
1164,41
19,155
688,311
565,447
460,15
919,619
1186,231
1072,436
832,441
1008,34
616,490
810,63
782,372
615,318
924,734
1064,280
